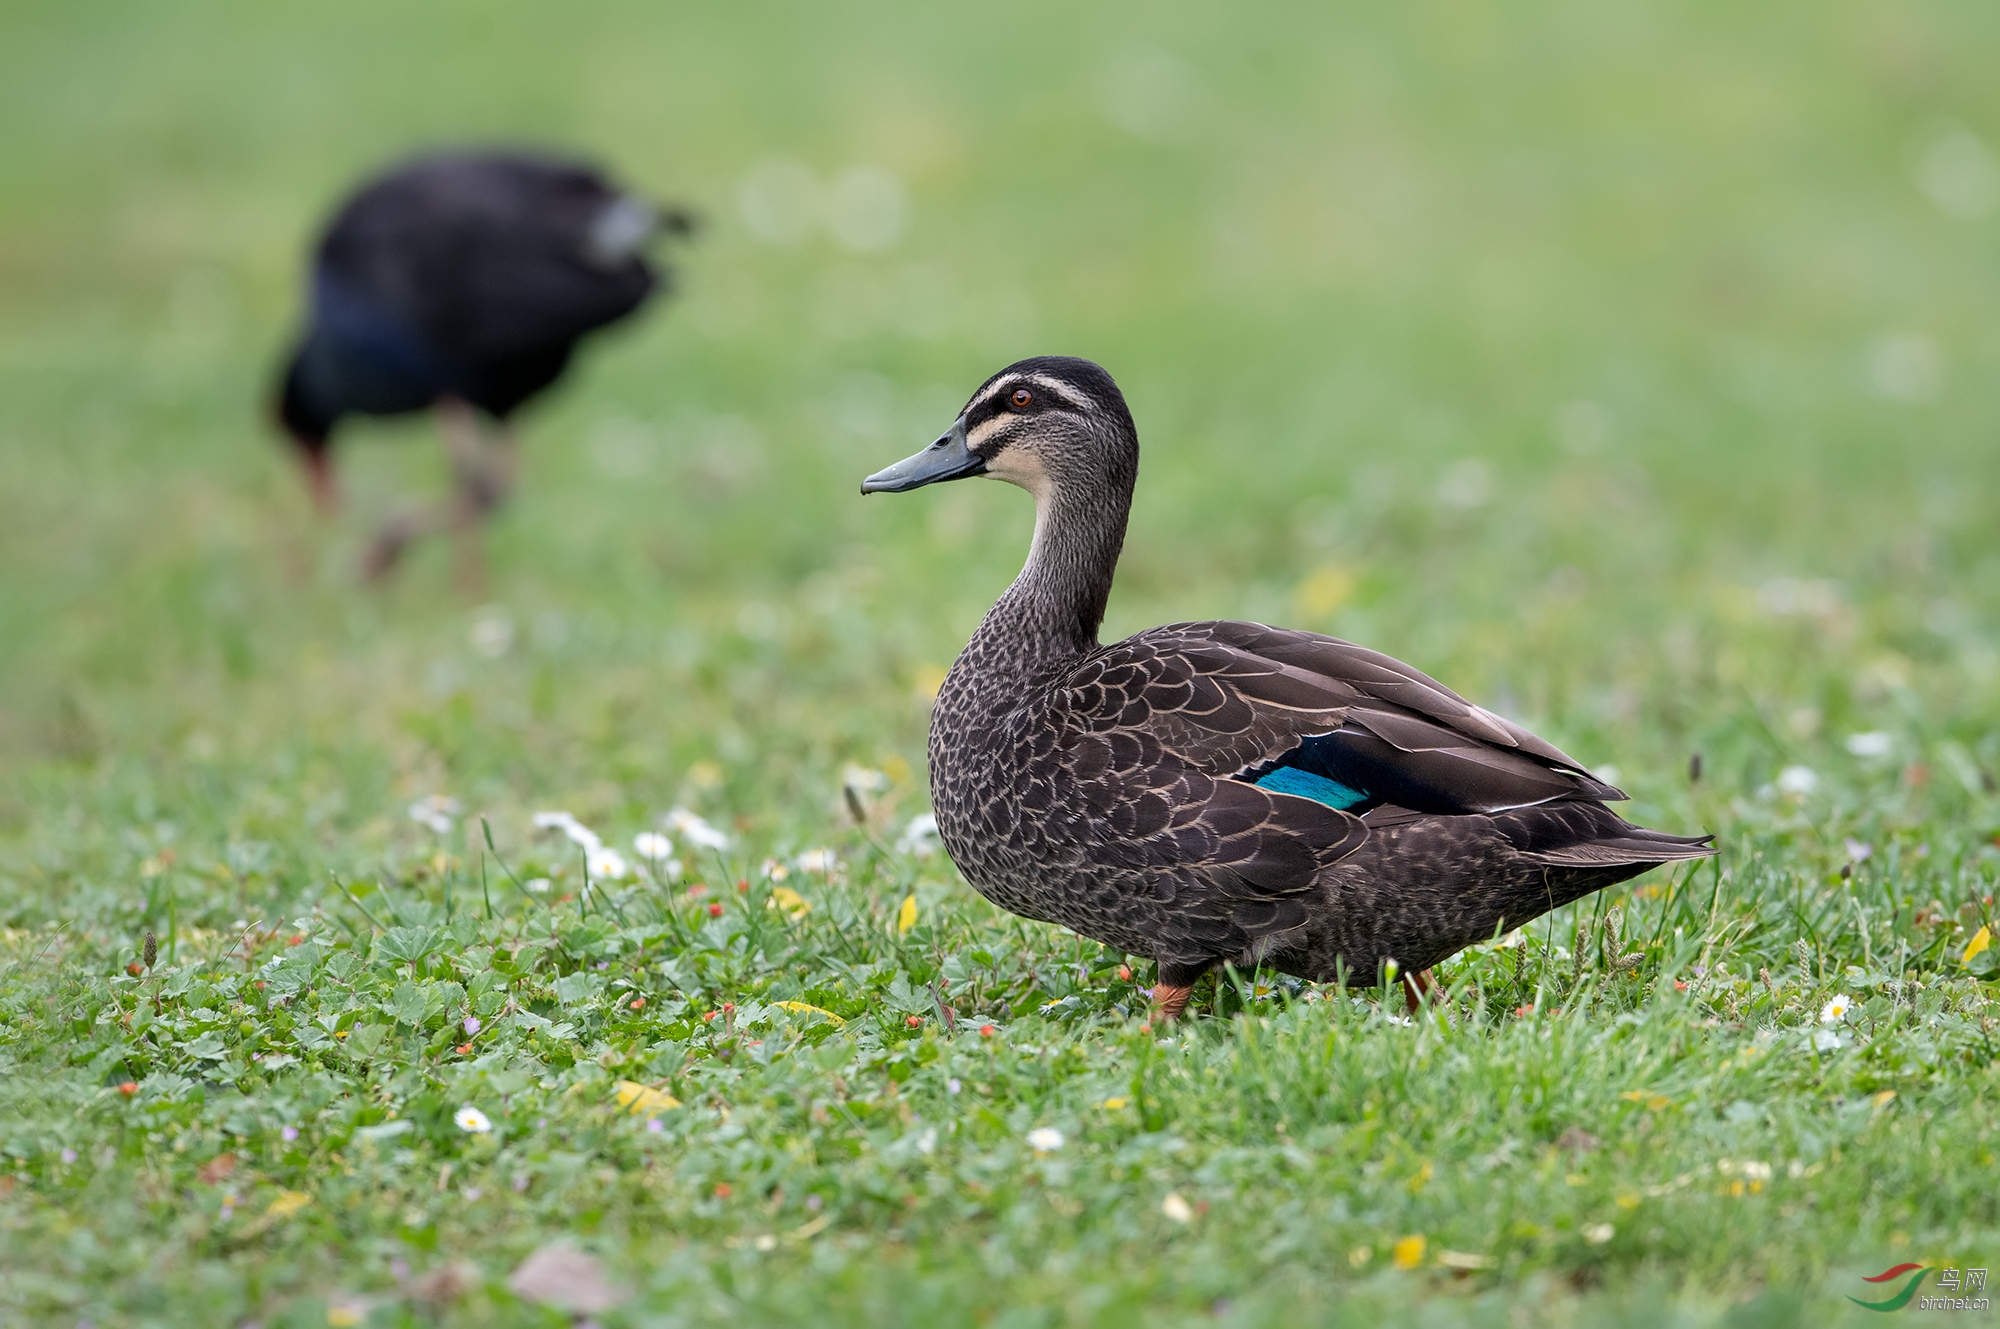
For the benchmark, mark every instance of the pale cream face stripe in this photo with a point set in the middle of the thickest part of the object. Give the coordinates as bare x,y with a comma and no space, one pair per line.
1062,392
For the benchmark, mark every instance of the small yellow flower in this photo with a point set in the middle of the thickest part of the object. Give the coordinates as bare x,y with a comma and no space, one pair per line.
1627,1201
789,900
340,1317
1409,1252
1980,941
906,917
1112,1104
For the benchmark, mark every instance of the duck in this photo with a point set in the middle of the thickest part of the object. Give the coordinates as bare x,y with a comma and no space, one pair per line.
461,282
1226,793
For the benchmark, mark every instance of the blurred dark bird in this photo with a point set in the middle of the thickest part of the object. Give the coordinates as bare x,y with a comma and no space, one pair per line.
1226,792
462,283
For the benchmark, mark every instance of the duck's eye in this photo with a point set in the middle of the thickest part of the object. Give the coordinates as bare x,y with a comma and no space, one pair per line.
1022,399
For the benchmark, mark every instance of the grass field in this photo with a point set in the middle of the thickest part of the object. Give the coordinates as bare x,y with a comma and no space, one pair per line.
1630,367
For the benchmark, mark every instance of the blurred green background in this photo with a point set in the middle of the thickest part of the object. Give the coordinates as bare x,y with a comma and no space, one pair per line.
1622,364
1629,366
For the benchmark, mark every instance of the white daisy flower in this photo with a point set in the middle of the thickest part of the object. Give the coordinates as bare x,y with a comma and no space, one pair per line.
1836,1010
605,864
1797,781
472,1120
696,831
577,832
1177,1209
1874,743
437,812
863,778
1045,1139
652,846
817,860
920,837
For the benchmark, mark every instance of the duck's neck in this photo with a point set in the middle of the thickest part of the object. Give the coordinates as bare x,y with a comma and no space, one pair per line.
1052,611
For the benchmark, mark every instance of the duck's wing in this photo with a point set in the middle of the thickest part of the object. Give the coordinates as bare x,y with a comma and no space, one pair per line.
1320,718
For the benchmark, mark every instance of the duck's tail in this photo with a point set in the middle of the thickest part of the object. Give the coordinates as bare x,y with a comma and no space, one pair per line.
1583,833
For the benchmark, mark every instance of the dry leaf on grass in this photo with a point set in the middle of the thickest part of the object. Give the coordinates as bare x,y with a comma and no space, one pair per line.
567,1279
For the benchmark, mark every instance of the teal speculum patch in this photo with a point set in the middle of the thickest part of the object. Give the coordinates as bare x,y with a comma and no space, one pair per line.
1305,784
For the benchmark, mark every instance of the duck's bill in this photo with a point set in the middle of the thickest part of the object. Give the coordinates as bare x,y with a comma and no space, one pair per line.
947,459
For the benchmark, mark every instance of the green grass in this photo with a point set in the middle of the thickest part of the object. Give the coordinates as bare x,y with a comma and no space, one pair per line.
1616,363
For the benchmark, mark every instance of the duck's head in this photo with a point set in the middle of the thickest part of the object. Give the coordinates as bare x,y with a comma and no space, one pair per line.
1048,424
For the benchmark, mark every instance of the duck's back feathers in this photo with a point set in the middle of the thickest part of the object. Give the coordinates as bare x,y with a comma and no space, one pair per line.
1292,711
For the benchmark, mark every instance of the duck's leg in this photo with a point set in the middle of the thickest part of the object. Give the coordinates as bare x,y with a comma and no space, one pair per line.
1416,988
1174,987
1170,999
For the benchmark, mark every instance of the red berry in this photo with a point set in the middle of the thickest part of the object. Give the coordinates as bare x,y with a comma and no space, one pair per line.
915,1022
135,969
1124,973
710,1016
294,941
128,1089
464,1048
729,1008
743,886
715,911
638,1003
721,1190
987,1031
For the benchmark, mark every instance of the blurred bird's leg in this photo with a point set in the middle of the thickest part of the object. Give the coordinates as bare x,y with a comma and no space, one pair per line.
481,476
1416,987
393,537
483,466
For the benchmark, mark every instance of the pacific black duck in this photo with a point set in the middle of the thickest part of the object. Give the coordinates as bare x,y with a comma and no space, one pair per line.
461,282
1211,792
